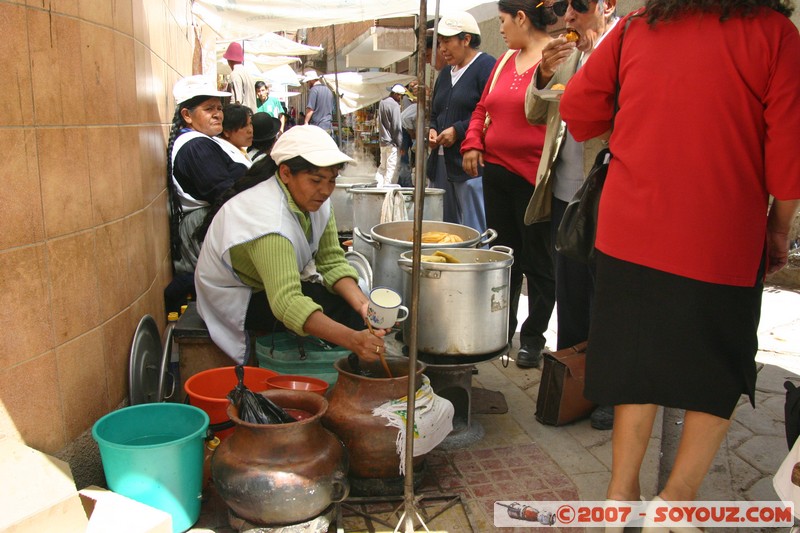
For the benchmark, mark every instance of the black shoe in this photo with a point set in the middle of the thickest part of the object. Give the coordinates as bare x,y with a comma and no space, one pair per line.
529,356
602,417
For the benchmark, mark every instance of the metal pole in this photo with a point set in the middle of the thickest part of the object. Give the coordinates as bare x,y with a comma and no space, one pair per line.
409,503
336,83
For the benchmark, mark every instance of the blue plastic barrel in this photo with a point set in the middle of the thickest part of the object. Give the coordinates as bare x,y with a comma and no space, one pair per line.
153,453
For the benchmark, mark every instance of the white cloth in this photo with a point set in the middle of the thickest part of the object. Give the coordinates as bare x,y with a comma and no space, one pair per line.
222,297
433,420
394,206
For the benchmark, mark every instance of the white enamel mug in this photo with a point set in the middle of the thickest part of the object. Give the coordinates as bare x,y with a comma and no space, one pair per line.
384,308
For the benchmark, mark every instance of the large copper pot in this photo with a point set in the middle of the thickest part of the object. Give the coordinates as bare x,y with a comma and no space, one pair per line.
278,474
371,444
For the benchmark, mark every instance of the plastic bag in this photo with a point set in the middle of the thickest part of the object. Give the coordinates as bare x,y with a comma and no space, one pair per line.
255,408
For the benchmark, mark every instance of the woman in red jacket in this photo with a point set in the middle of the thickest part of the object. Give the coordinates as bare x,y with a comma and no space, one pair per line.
706,132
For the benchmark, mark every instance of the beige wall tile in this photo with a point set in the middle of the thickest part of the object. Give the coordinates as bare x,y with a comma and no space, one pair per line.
136,227
153,149
105,173
130,160
140,21
126,79
45,68
162,93
99,74
156,26
70,59
16,107
73,285
31,403
144,93
112,268
85,230
160,220
99,11
82,382
24,306
64,171
21,216
122,11
66,7
117,339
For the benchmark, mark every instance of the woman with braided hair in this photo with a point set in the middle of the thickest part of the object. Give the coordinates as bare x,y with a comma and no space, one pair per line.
199,168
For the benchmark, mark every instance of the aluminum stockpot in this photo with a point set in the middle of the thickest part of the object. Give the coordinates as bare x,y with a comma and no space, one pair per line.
342,200
462,307
390,239
368,201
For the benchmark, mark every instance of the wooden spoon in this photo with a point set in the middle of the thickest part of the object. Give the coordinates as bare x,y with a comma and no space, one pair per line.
380,354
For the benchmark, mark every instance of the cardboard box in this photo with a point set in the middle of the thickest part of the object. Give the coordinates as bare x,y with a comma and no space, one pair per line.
37,492
109,511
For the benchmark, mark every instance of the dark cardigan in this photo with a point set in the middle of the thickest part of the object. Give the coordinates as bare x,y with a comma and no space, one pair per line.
454,108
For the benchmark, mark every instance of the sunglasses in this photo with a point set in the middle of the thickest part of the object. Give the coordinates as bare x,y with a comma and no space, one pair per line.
560,7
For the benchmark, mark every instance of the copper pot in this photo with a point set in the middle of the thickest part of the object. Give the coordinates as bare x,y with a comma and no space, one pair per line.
278,474
371,444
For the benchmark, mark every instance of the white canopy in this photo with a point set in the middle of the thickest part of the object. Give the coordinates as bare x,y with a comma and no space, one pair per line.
256,65
360,89
270,44
257,16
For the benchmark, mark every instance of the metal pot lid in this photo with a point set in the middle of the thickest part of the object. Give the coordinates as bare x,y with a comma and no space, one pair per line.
147,364
359,262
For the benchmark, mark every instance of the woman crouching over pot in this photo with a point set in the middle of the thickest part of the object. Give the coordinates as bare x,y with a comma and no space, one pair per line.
271,253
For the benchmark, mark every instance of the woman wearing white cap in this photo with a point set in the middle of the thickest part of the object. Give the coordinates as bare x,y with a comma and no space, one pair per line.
456,93
272,254
199,168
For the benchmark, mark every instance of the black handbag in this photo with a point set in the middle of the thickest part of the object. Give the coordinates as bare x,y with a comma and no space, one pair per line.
576,233
575,237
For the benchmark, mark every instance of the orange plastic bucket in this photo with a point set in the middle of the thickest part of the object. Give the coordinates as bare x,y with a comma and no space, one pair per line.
209,389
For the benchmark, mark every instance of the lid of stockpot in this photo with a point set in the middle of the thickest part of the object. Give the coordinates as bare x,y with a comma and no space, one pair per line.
147,364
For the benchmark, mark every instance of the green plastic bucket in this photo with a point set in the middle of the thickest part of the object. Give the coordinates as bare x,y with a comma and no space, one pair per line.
153,453
309,356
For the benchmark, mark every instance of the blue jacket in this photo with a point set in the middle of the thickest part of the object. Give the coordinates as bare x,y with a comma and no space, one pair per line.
454,108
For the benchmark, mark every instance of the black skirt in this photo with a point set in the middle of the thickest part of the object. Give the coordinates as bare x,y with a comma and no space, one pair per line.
660,338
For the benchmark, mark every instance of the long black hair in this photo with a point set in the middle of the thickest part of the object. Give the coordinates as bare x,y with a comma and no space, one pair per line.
176,213
665,10
262,170
541,17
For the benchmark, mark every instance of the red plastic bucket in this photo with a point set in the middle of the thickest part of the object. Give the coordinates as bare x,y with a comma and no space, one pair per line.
306,383
209,389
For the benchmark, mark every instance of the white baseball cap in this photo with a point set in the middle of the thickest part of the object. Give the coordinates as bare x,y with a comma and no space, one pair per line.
457,22
312,143
398,89
310,75
199,85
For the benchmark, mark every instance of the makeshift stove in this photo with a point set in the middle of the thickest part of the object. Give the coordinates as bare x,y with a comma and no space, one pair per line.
319,524
451,378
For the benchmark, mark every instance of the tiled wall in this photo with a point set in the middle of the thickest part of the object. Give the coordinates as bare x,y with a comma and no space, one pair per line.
84,252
